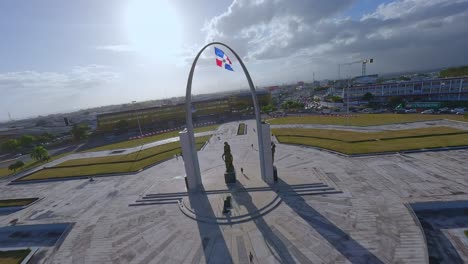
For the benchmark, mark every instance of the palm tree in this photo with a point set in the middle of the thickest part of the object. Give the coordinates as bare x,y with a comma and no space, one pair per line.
39,153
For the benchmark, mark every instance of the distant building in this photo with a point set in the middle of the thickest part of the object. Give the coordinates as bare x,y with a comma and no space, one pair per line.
446,89
228,108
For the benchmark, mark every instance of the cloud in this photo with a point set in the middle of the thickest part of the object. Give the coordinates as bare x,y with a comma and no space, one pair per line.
116,48
402,34
83,77
47,92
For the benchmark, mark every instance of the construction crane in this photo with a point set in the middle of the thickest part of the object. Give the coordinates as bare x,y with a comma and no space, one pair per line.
364,63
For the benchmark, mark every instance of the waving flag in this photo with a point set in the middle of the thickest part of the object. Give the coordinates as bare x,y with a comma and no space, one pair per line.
222,60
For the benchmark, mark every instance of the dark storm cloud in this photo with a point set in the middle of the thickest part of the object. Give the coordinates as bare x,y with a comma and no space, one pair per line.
403,34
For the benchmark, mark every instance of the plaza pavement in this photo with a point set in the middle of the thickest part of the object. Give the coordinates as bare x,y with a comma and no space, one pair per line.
368,222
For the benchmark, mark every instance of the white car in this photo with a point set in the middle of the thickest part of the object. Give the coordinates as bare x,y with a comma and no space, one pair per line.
428,111
456,110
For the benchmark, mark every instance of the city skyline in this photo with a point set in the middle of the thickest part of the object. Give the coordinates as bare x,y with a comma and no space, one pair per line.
60,57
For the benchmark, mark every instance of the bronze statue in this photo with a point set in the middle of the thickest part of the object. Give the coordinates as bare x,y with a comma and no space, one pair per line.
227,157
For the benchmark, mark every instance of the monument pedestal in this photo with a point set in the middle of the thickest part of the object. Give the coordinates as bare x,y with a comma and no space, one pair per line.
230,177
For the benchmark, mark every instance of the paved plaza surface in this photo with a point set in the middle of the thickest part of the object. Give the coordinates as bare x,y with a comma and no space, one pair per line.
327,208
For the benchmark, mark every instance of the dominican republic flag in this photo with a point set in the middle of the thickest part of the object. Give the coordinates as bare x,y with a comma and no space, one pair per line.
222,60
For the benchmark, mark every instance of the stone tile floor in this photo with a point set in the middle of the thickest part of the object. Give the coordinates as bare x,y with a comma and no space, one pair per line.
367,223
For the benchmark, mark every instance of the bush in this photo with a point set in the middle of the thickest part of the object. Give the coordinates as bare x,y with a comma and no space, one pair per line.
16,165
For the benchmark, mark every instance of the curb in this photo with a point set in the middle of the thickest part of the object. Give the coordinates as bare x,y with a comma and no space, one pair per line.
418,223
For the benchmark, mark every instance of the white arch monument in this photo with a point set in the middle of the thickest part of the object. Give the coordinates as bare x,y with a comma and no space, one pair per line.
187,138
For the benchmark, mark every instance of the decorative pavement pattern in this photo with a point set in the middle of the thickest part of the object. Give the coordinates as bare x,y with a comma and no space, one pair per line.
358,212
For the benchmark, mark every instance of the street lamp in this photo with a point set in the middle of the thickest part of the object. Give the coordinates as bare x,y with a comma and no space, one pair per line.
138,119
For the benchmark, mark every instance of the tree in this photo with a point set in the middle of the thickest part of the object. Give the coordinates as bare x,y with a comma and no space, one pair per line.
27,141
268,108
80,131
454,72
40,153
292,105
334,99
368,97
11,146
16,165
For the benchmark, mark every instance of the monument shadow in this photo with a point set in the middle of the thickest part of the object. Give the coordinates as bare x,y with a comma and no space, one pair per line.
340,240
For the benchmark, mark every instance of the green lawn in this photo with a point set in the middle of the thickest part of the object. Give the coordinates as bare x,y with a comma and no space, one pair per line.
466,233
241,129
351,136
13,256
31,164
16,202
112,164
389,141
146,140
361,119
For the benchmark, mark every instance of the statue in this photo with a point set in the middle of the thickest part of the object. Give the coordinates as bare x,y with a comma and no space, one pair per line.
227,157
275,171
273,147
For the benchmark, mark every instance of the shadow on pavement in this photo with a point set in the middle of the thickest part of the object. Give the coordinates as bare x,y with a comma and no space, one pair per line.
271,237
213,244
347,246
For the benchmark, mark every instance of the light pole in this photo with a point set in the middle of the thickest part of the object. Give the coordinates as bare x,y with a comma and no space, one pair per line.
138,119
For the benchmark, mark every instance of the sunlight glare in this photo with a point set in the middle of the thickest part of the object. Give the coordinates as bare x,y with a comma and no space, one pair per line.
153,29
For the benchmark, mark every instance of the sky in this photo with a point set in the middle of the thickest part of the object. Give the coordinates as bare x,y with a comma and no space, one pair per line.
60,56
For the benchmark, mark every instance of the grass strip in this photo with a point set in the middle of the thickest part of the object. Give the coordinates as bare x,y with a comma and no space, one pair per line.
30,164
16,202
146,140
241,129
131,157
362,119
391,145
106,167
13,256
355,137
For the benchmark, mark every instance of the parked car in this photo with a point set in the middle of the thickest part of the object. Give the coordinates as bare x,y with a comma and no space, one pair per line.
400,111
408,111
459,109
428,111
444,110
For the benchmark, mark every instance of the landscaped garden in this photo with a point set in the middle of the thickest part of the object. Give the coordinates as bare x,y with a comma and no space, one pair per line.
132,162
150,139
361,119
350,142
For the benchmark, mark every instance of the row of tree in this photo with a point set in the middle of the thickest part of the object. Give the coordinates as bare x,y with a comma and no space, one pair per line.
39,153
25,142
